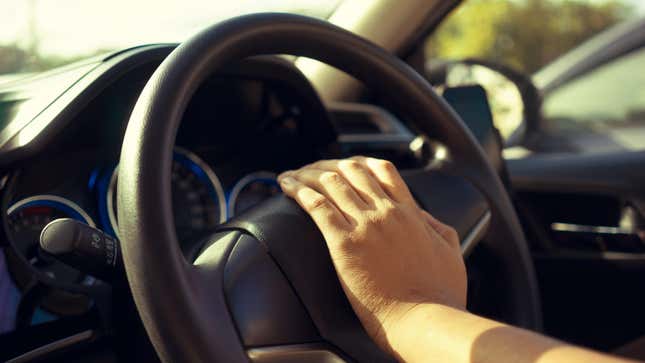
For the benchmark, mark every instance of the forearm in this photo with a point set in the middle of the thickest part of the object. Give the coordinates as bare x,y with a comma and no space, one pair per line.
390,254
439,333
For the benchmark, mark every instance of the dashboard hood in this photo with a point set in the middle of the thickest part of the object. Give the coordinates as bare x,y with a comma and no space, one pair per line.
32,103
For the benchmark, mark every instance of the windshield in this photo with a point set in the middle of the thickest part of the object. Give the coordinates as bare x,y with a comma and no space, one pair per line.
37,35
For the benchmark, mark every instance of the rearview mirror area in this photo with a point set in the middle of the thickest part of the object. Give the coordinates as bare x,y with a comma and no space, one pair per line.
513,99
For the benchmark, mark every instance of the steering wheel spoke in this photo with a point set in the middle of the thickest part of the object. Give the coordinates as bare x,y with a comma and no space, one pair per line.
296,353
454,201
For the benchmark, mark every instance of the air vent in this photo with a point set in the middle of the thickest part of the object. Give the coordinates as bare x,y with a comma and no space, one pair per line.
353,123
371,130
353,119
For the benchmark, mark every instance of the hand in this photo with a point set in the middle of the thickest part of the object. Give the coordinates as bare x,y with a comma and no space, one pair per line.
390,255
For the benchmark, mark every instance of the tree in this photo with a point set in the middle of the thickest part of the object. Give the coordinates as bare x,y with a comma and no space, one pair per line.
13,59
526,34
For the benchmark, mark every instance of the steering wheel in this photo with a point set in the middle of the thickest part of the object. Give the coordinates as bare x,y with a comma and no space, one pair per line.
263,288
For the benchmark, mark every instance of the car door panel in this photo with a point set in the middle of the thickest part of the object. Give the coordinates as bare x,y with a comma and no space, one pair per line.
592,280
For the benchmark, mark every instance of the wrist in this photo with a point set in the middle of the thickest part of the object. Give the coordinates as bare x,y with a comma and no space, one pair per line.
413,328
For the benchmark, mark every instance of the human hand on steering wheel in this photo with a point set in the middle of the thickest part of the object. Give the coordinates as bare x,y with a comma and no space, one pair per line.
403,272
390,255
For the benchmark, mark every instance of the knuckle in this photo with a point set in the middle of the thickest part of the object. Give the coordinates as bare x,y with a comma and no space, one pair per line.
296,173
451,234
351,164
392,211
311,165
372,226
357,158
387,211
386,165
316,202
332,178
318,164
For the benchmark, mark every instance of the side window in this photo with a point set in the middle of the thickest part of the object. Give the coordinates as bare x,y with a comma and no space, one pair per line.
529,37
608,100
524,34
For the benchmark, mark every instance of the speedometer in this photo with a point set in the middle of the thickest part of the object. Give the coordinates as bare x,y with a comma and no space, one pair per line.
252,190
198,200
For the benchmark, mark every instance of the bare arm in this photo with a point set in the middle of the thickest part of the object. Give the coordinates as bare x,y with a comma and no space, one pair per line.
402,269
453,335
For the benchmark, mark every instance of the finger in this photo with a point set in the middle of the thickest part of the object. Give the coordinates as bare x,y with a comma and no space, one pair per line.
332,185
324,213
363,182
389,178
448,233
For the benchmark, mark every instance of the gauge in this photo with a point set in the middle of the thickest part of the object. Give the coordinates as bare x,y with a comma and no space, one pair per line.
198,200
25,220
252,190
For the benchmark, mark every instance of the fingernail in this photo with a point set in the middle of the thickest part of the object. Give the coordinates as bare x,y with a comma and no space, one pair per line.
287,180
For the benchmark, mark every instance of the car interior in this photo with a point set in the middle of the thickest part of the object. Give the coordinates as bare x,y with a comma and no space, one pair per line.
142,220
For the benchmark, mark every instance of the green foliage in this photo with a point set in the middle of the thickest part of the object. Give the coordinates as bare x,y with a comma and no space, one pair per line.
526,34
12,59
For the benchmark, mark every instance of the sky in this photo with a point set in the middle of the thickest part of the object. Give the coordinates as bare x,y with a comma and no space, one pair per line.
81,27
73,27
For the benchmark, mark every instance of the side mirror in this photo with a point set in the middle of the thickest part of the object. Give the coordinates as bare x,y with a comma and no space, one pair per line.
513,98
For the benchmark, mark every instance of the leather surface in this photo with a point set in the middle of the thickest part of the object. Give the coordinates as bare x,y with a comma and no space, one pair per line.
293,240
451,199
616,172
263,304
185,320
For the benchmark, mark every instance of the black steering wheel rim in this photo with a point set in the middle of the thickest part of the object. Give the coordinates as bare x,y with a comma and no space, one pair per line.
166,290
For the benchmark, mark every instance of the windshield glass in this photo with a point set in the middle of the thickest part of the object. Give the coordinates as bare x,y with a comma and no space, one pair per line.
37,35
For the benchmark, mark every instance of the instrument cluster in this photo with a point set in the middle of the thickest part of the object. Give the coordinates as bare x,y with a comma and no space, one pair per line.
201,201
247,123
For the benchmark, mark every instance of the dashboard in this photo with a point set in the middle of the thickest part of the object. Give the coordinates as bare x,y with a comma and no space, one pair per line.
60,141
